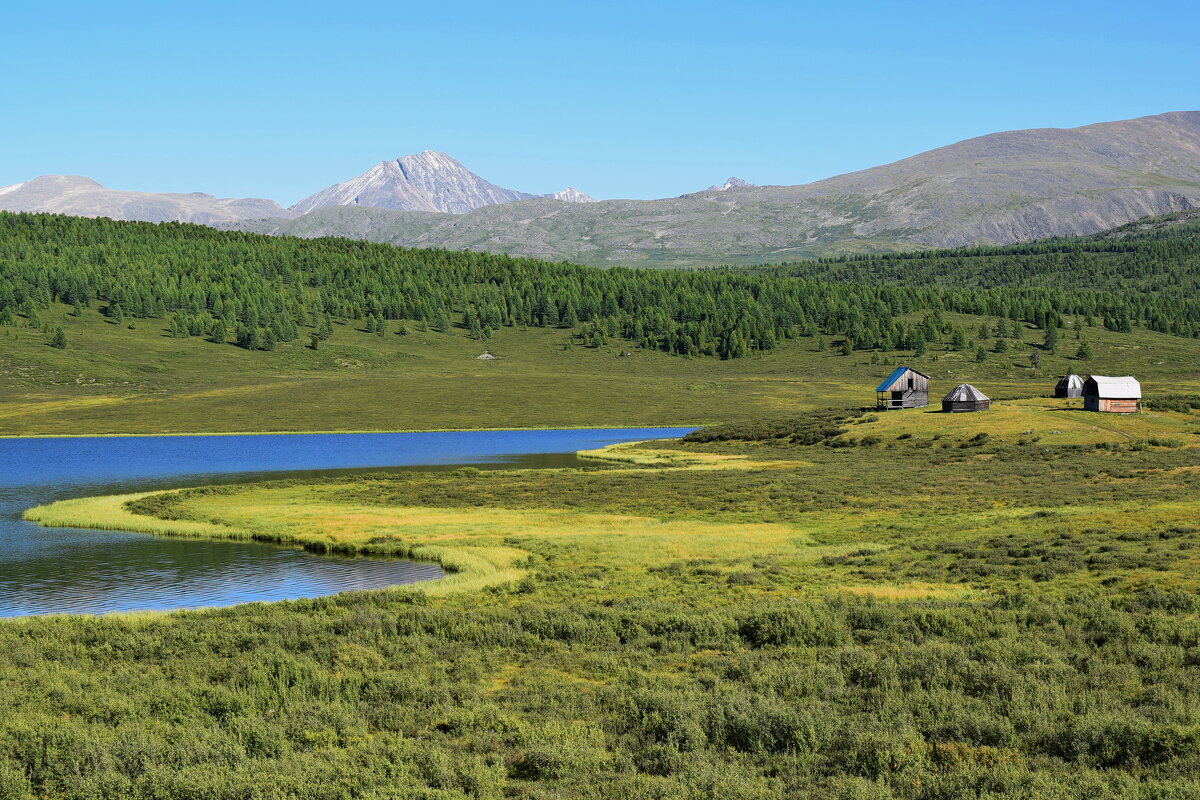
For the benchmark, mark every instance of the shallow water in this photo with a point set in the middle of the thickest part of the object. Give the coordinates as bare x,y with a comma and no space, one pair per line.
68,570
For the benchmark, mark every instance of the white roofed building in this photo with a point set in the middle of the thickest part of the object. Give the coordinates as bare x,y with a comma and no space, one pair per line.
1112,395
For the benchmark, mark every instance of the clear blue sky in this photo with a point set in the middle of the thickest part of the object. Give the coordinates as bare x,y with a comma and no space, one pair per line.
645,99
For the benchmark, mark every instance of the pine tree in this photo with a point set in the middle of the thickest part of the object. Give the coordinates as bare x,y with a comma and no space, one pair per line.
1085,351
980,354
1051,340
58,338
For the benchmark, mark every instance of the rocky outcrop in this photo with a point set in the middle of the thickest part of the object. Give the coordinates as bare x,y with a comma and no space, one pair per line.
731,183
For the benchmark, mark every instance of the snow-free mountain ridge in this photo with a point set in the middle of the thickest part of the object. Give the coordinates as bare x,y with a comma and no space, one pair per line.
83,197
996,189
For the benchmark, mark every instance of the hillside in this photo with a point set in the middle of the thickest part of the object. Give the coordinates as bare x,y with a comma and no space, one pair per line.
182,328
1002,188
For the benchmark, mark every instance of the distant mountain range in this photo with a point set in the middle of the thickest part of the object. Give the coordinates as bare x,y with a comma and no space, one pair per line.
83,197
997,189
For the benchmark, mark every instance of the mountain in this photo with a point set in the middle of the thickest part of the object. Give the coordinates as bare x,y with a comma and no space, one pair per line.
83,197
731,183
428,181
570,195
999,189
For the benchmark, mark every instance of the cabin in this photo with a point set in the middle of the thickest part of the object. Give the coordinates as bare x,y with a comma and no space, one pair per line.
904,388
965,397
1112,395
1069,386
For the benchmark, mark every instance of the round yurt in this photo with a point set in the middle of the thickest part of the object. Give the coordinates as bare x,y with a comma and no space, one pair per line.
965,397
1069,386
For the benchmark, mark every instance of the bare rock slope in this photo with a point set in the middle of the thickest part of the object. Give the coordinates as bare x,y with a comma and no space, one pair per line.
428,181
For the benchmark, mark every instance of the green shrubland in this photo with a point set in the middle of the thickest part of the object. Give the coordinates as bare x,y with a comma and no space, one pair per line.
772,618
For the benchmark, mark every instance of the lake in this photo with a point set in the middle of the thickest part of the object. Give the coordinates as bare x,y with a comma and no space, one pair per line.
67,570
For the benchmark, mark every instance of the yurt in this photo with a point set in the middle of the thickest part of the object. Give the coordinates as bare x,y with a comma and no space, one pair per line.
1069,386
965,397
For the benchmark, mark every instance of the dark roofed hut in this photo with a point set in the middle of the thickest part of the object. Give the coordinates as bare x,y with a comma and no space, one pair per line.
965,397
904,388
1069,386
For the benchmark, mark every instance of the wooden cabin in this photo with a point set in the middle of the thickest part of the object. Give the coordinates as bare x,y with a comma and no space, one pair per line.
1069,386
1112,395
965,397
904,388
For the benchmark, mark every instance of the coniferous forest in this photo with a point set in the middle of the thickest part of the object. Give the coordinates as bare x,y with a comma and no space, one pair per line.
258,291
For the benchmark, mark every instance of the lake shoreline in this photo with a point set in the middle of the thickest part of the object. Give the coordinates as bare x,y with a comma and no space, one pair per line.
182,434
84,482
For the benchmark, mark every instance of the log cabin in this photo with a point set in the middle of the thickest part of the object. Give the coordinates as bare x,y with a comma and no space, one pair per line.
904,388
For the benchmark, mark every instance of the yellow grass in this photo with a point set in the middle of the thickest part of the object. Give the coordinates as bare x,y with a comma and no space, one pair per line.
109,513
639,454
1055,421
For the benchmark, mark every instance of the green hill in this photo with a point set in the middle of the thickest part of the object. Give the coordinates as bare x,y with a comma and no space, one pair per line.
182,328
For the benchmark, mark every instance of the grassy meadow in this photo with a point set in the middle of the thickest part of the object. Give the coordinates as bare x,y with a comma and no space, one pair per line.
112,380
839,605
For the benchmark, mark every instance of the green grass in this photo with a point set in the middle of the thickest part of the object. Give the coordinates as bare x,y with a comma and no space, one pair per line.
930,616
111,380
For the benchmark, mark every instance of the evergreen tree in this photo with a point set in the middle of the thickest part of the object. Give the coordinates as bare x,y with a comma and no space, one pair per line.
1051,341
1085,351
980,354
58,338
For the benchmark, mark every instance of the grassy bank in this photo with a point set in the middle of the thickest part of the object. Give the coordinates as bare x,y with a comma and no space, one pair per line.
470,568
896,609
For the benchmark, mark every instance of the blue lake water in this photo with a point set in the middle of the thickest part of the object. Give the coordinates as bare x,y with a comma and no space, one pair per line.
66,570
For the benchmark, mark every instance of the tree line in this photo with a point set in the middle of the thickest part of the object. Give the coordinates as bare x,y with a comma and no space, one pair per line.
257,291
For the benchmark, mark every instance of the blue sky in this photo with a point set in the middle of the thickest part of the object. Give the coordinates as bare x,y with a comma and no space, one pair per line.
648,99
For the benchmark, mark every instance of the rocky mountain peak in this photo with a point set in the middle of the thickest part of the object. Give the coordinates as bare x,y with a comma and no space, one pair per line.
571,195
426,181
731,183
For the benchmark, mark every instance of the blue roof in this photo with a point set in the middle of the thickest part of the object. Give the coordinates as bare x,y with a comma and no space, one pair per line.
896,373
